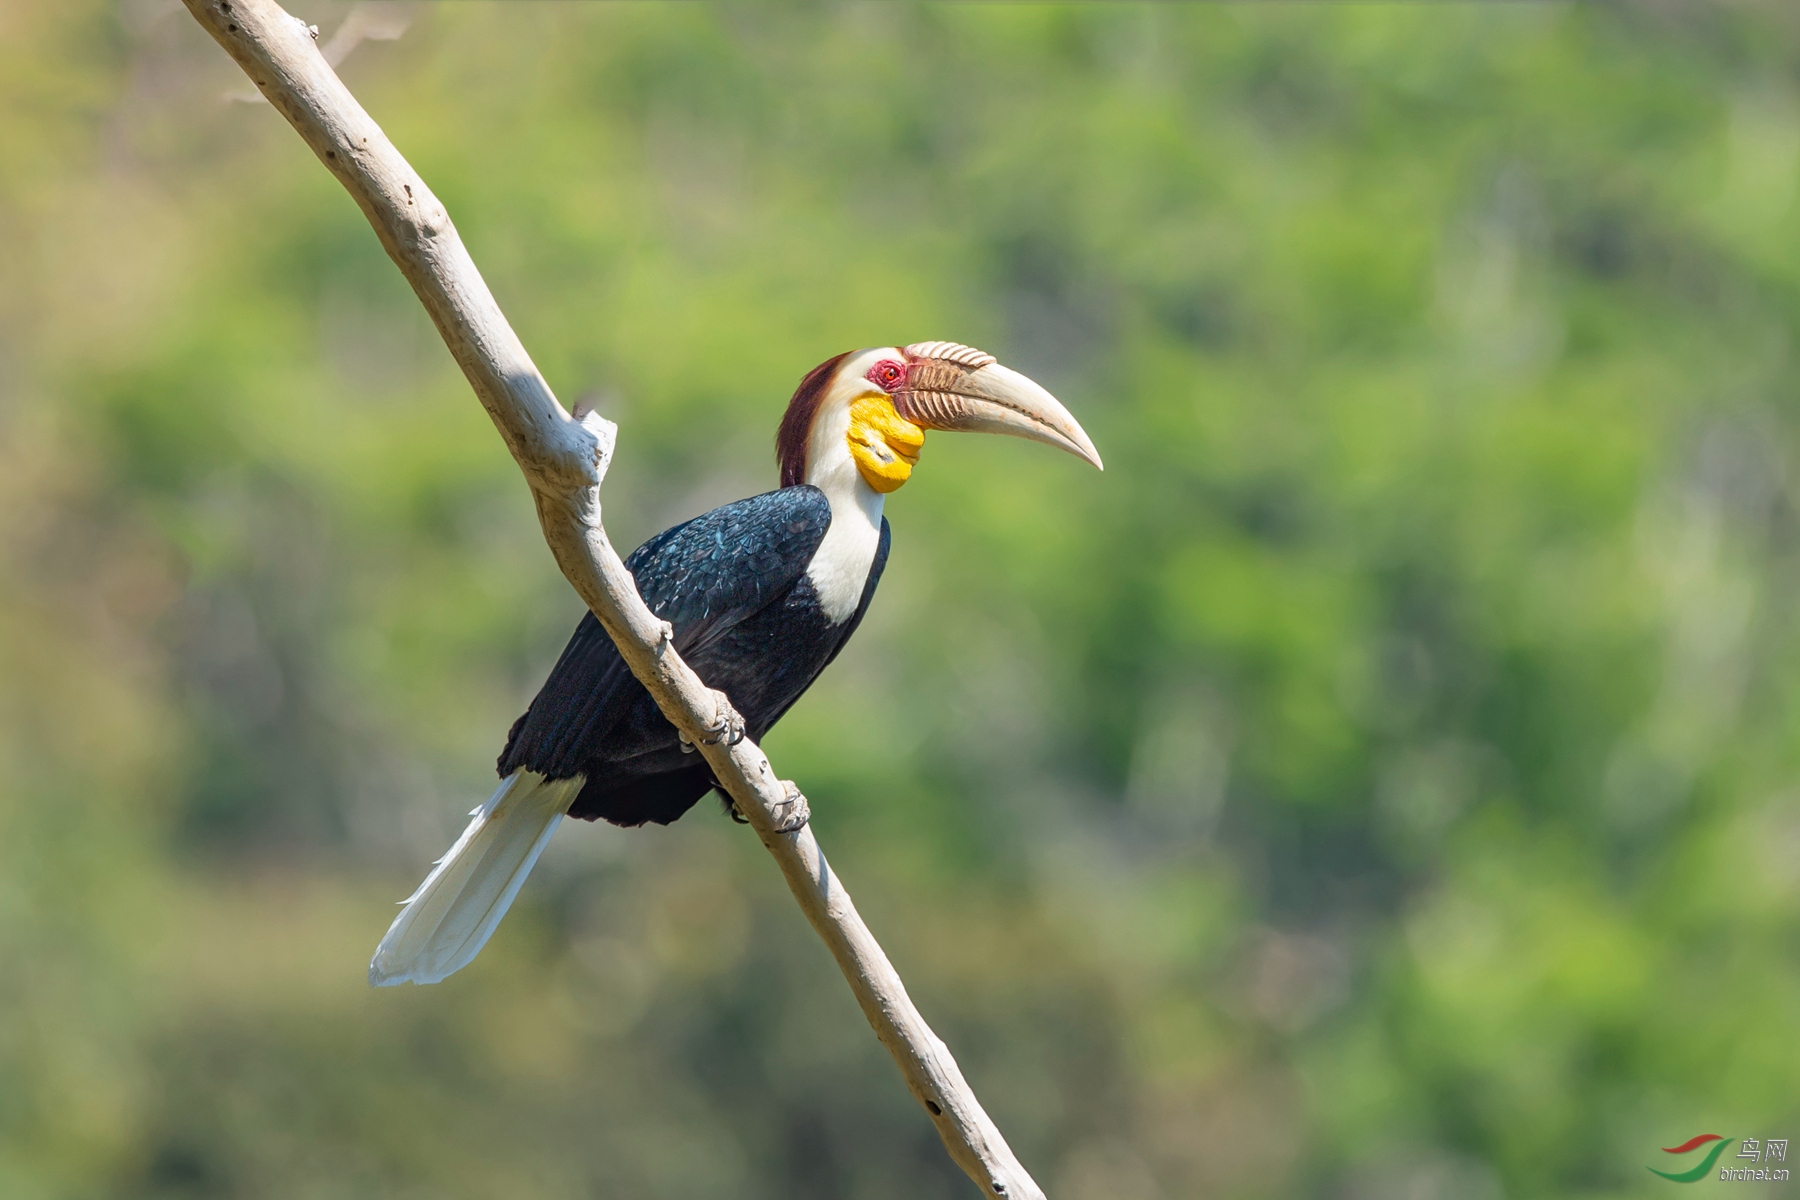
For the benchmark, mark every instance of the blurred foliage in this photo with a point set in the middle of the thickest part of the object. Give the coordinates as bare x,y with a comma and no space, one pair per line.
1382,782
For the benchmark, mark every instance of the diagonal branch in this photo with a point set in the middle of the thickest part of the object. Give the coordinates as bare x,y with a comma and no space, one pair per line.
564,460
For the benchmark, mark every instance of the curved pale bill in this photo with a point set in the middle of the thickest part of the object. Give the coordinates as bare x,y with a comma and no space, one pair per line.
991,398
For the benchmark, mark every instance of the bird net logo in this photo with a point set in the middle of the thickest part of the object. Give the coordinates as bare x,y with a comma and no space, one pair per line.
1759,1153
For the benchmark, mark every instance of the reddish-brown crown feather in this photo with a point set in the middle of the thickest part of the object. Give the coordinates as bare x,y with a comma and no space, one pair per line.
796,423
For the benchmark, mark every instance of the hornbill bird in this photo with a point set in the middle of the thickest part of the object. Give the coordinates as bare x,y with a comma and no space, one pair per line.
761,596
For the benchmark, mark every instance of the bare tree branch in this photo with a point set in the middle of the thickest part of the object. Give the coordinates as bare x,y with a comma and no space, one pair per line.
564,460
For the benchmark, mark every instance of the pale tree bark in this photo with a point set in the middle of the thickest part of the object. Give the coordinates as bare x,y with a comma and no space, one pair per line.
564,460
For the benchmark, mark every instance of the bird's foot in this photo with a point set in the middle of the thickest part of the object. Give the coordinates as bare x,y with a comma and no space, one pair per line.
727,729
728,726
793,813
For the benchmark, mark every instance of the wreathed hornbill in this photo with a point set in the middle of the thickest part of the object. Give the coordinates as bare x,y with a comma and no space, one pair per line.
761,595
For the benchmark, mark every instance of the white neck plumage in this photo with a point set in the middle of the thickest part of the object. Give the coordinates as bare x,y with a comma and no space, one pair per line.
840,567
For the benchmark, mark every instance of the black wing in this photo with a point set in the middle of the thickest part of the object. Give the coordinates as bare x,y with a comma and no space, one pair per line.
703,577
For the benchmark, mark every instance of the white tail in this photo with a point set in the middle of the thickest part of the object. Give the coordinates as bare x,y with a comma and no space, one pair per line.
449,919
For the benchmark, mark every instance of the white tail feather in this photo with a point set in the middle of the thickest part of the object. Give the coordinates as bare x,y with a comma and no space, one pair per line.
450,918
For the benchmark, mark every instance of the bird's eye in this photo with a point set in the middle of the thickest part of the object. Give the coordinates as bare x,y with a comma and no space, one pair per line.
887,374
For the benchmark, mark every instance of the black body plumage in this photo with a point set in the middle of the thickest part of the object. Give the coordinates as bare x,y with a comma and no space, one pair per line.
733,584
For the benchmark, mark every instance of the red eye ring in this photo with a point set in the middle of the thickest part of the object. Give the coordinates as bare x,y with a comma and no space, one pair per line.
887,374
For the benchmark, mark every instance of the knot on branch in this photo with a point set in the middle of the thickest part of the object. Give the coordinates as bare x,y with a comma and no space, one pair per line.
605,434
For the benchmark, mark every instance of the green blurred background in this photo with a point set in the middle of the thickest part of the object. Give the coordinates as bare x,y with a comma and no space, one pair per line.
1383,783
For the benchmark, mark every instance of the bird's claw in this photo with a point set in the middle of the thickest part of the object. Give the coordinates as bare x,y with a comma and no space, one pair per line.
794,811
728,729
791,814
